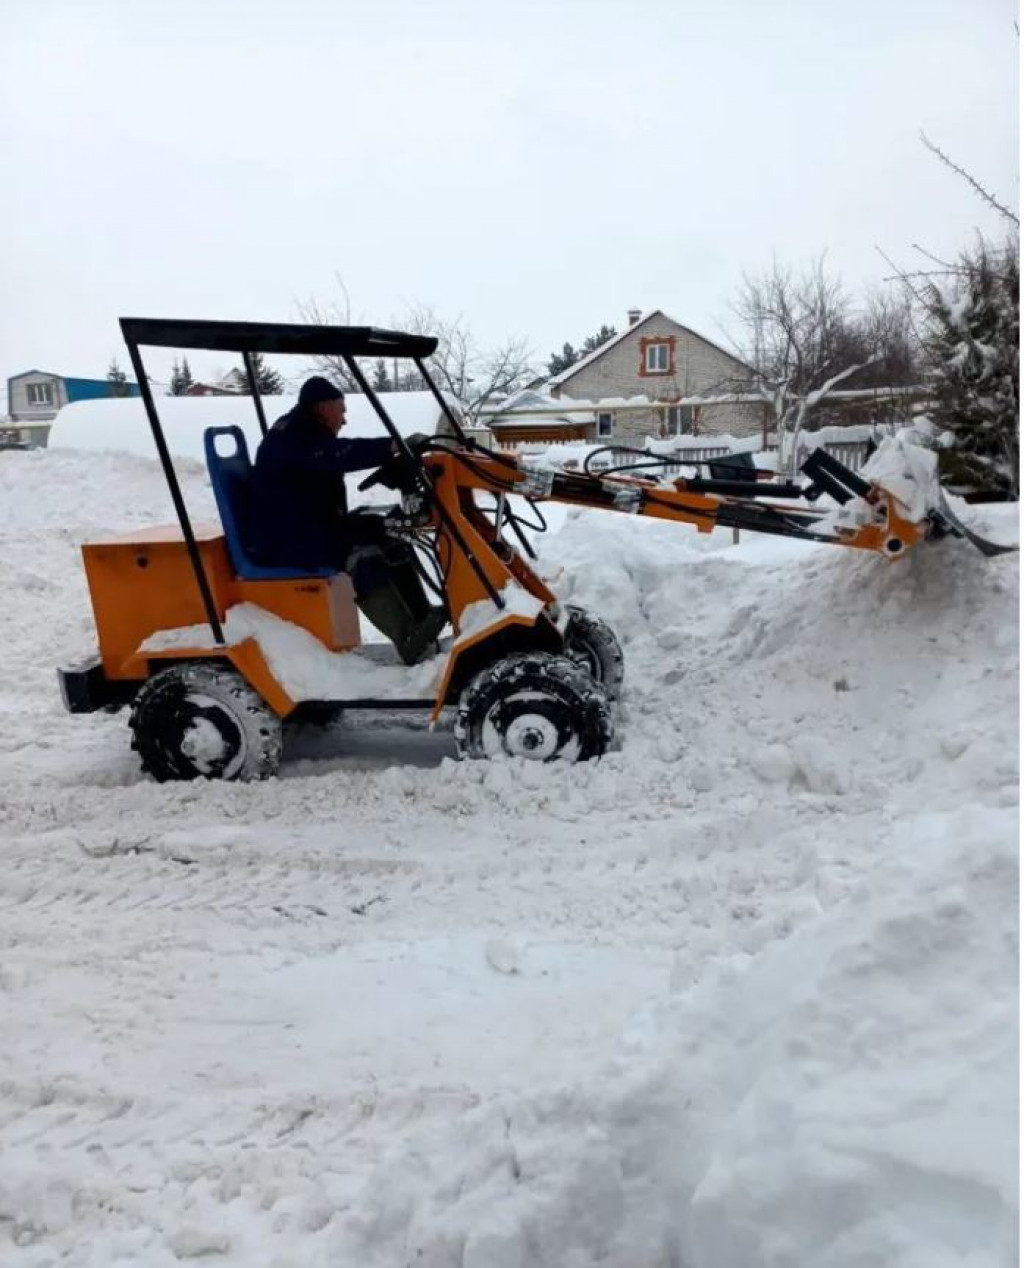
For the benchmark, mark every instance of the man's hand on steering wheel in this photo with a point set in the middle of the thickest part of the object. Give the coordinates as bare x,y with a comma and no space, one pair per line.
400,472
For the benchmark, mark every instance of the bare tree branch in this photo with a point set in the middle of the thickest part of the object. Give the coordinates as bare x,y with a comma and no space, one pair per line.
804,339
928,255
975,185
471,376
336,314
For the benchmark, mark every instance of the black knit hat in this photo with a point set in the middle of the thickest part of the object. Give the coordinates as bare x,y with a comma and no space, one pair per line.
318,389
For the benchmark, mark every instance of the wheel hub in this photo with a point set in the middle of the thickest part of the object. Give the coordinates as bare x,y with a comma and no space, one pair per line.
532,735
210,738
532,726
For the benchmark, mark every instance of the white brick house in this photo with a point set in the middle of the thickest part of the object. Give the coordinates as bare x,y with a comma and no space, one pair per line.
656,360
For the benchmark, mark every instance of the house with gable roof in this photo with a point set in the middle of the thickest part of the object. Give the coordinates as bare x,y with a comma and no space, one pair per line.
34,398
651,379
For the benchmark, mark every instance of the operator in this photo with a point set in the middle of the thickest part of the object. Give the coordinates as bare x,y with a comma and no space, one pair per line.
300,517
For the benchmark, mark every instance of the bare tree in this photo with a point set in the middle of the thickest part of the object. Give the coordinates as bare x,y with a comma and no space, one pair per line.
338,313
798,345
460,367
471,375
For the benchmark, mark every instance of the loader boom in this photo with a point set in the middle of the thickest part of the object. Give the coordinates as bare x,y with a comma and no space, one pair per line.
478,562
702,504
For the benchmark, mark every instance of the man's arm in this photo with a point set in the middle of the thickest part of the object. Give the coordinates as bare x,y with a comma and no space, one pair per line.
282,452
359,455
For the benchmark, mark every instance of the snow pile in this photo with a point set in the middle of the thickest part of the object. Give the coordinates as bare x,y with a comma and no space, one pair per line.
909,472
842,1098
840,1086
741,993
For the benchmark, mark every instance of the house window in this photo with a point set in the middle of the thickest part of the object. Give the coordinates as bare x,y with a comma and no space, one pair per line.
605,425
679,421
657,355
40,394
657,358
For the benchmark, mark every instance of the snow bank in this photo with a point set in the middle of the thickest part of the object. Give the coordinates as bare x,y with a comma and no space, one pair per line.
841,1098
840,1086
122,426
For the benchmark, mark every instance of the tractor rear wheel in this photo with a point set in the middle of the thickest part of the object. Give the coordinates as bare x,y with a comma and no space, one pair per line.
534,705
201,720
590,641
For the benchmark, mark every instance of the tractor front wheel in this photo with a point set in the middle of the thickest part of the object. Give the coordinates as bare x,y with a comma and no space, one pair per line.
202,720
534,705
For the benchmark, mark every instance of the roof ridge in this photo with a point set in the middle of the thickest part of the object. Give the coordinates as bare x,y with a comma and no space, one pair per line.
602,347
558,379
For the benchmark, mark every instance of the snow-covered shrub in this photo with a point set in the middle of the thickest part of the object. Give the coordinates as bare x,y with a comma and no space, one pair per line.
972,340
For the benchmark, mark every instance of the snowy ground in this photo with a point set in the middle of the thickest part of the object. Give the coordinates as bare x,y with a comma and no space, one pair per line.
744,993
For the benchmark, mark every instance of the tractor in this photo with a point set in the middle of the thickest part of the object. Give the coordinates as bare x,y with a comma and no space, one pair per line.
213,652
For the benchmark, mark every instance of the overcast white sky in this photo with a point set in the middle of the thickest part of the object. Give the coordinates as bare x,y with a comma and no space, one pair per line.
537,166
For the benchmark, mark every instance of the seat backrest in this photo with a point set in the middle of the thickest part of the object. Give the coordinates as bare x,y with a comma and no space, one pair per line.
231,478
230,473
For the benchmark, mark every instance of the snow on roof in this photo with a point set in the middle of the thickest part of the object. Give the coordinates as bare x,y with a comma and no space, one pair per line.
23,374
122,426
530,402
560,421
610,343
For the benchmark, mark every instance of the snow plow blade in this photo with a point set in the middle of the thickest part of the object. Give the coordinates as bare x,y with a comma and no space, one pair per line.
948,523
828,475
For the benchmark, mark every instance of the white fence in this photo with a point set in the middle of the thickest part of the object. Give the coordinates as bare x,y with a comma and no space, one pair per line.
571,454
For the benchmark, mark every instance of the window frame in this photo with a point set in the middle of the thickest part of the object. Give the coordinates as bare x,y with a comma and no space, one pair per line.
661,348
610,416
32,389
675,418
652,357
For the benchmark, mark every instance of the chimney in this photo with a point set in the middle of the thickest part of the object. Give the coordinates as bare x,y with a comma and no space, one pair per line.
634,316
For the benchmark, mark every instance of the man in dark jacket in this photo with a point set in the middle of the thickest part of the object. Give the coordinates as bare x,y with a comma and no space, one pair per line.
299,517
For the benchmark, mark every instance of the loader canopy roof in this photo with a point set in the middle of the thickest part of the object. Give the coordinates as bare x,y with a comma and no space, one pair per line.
260,336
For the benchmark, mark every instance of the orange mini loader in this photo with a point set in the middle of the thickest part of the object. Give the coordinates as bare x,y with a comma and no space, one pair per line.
213,652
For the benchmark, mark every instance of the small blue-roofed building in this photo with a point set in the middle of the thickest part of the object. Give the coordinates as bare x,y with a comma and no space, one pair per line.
35,396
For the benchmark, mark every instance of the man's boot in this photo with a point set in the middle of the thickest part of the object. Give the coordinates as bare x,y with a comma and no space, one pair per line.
389,610
429,620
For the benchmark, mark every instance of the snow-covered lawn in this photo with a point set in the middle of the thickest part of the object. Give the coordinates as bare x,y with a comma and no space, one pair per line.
743,993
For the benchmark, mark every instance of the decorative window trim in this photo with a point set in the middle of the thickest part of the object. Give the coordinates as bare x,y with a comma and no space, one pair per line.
648,342
605,419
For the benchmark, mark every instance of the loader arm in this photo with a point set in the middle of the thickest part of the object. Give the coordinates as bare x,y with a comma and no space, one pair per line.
880,522
478,563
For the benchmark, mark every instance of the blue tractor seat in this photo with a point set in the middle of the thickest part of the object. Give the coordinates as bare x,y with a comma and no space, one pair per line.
231,477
